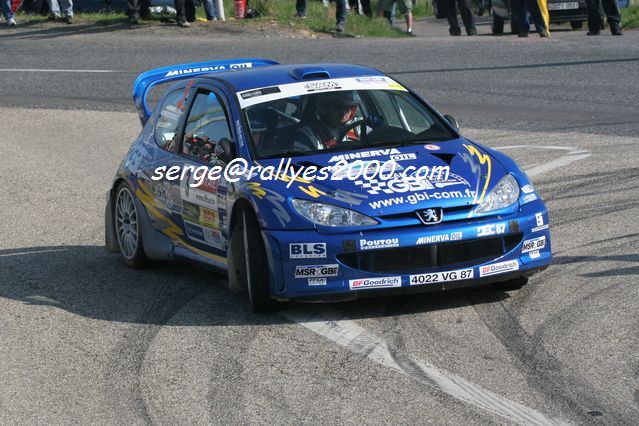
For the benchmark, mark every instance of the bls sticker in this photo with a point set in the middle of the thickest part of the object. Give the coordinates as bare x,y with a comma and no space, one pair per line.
307,250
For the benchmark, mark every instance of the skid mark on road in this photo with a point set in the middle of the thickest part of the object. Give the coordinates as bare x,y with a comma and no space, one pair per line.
338,329
574,154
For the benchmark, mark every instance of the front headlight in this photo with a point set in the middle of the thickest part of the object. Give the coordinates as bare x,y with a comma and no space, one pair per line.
327,215
503,195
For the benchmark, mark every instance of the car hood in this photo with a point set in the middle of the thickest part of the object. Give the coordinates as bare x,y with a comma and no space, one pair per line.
459,173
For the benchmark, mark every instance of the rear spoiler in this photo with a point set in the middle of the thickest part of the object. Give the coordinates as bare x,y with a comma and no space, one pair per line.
147,80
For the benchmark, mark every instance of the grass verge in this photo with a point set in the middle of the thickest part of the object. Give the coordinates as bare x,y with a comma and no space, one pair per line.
630,17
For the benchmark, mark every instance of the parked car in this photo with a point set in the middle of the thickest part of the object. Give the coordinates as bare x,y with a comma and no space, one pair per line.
560,11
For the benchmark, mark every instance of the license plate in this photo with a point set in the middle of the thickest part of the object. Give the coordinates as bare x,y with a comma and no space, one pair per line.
563,6
440,277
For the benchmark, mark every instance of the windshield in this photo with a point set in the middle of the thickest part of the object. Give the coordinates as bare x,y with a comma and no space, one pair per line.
341,120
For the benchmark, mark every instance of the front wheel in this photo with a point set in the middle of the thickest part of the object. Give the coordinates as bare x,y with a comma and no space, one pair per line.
127,227
256,268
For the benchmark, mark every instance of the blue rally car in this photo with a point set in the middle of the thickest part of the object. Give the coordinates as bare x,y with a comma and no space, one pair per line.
318,182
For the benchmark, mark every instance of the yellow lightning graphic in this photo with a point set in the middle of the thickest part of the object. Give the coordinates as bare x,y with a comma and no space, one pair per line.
483,159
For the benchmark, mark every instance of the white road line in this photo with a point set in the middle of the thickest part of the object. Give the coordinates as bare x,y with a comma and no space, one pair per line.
573,155
44,70
22,253
335,327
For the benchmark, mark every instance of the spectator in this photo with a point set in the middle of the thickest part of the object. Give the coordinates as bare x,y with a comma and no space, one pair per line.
185,12
210,8
5,5
467,17
67,9
138,9
611,8
405,7
538,10
340,13
366,6
390,15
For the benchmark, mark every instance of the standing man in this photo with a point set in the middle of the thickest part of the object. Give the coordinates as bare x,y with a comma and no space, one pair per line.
466,14
611,8
340,13
185,12
5,5
138,9
405,7
67,9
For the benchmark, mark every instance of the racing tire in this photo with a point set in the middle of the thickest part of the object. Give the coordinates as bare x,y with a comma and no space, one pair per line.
576,25
255,265
126,222
497,25
513,284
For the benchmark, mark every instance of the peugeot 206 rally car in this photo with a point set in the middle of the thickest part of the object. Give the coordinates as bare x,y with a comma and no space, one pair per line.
442,212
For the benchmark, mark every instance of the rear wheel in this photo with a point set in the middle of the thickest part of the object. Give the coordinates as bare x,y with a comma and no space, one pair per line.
127,227
514,284
576,25
497,25
256,268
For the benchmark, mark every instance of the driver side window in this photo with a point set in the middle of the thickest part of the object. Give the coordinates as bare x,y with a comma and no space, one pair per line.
206,125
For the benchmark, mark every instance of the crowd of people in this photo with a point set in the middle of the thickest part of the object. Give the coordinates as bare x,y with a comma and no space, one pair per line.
521,10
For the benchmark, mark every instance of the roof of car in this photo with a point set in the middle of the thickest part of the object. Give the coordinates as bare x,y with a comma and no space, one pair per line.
254,78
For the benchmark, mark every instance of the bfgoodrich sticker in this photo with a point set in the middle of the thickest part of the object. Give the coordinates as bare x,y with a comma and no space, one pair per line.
498,268
375,282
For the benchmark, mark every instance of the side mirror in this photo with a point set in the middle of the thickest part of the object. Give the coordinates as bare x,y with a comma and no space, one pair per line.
452,121
223,150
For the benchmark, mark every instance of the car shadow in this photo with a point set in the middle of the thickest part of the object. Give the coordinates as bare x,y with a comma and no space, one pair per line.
88,281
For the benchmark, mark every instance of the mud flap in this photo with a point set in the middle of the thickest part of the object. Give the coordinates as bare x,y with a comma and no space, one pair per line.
110,239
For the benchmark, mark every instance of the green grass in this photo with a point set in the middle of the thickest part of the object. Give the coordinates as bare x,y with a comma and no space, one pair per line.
630,17
319,19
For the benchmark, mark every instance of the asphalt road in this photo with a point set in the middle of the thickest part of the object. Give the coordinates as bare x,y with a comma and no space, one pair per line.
84,339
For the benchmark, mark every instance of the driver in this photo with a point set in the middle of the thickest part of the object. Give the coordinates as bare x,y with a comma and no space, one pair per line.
335,111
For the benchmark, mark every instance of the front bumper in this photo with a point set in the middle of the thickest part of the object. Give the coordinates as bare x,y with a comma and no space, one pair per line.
309,265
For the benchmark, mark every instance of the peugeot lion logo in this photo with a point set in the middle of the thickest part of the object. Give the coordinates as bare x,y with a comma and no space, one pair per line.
430,216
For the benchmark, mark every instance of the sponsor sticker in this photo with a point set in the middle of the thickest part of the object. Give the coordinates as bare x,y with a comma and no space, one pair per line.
440,238
307,250
372,79
384,282
260,92
439,277
534,254
407,156
492,229
197,196
378,244
498,268
316,281
318,86
210,218
358,155
527,189
308,271
432,147
529,197
533,244
539,217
